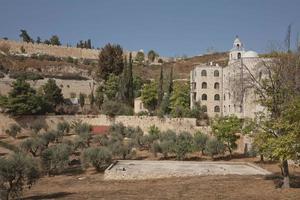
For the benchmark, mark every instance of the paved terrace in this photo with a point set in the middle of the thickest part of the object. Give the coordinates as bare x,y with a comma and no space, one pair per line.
134,169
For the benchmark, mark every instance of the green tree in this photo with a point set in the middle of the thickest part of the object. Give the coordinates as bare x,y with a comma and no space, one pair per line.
82,100
160,89
54,40
55,159
152,55
149,96
214,147
137,85
226,130
99,157
99,96
110,61
25,36
277,87
180,99
183,145
23,100
38,40
17,172
52,93
111,87
127,88
113,108
140,57
200,141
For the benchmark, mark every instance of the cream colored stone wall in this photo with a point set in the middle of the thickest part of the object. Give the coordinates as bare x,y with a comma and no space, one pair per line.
67,86
144,122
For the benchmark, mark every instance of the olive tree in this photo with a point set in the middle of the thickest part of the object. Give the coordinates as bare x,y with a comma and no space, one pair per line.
17,172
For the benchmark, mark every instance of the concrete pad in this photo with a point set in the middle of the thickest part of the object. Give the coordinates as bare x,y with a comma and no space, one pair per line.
142,169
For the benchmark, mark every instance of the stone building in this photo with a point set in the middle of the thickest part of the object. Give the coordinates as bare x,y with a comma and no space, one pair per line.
224,90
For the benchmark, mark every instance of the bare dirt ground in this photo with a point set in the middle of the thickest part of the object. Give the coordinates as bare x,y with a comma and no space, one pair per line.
91,185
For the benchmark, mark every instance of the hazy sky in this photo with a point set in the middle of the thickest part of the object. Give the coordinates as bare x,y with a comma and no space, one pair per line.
171,27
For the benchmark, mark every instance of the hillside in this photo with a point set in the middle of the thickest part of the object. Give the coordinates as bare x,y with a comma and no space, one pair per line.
49,61
182,67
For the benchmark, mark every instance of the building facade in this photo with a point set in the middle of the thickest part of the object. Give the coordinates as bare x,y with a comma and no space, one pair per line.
224,90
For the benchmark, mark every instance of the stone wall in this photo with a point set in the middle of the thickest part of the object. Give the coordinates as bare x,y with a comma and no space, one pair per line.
144,122
67,86
57,51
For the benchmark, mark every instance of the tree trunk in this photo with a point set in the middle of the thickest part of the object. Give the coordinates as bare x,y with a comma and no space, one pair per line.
286,174
261,158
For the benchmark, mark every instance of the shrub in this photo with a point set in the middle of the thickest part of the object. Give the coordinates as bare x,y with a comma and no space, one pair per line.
63,127
13,130
167,147
114,108
153,133
55,159
142,113
200,140
99,157
155,148
122,148
183,145
17,172
25,75
214,147
36,126
67,76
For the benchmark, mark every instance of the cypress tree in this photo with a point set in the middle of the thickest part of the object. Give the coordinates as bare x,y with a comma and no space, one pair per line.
160,87
126,85
170,87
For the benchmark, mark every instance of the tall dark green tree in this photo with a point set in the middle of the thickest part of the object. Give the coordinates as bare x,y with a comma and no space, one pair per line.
38,40
110,61
52,93
23,100
170,86
126,86
160,87
54,40
25,36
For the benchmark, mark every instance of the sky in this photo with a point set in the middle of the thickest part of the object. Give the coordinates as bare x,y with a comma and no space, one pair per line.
170,27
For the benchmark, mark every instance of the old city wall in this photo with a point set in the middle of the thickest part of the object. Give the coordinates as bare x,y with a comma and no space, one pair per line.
57,51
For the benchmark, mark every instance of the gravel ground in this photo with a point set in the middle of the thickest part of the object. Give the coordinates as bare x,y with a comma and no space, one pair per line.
137,170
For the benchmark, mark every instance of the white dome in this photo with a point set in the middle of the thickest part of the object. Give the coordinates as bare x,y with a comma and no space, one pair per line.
250,54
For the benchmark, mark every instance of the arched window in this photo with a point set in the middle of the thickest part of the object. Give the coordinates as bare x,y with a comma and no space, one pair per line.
216,73
204,97
204,108
217,109
217,97
217,85
239,55
224,108
204,85
203,73
224,97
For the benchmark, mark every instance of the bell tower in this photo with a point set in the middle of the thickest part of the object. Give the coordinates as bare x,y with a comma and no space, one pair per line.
237,51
